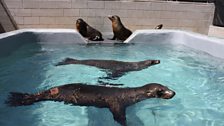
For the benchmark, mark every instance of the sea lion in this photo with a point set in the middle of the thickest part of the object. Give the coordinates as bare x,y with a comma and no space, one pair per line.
160,26
87,31
113,68
78,94
120,32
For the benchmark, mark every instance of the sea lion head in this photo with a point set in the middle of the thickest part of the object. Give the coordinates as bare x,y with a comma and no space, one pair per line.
115,19
160,26
158,91
80,23
152,62
81,26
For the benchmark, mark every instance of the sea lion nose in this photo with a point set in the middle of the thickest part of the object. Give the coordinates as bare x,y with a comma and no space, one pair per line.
110,17
173,93
170,94
157,61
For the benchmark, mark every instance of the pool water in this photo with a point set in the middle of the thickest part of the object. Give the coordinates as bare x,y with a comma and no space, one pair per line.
195,76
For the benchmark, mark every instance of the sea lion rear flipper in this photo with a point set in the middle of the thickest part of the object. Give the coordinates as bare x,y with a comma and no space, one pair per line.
67,61
119,115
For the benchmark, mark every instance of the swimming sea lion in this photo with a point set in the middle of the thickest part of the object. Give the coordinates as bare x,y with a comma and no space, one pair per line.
160,26
114,98
120,32
87,31
114,68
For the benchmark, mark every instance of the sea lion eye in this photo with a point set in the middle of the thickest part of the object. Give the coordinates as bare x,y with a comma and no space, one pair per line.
112,16
160,93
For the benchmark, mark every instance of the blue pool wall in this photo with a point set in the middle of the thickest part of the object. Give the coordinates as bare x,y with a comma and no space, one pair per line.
12,40
211,45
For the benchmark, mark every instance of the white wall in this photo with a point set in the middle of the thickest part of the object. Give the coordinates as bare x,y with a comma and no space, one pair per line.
216,31
135,15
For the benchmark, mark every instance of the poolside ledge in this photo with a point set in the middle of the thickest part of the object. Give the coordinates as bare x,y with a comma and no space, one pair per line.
10,41
211,45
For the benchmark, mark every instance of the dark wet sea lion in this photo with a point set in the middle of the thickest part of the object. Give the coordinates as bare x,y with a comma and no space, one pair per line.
114,68
119,30
87,31
160,26
114,98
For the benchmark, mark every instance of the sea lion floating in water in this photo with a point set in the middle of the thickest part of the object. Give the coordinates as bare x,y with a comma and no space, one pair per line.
119,30
78,94
87,31
113,68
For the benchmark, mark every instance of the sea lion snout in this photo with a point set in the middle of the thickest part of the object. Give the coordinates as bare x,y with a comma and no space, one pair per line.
158,91
156,61
114,18
152,62
110,17
168,94
165,93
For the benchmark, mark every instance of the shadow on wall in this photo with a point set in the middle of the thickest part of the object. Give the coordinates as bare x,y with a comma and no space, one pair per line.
219,13
1,29
7,22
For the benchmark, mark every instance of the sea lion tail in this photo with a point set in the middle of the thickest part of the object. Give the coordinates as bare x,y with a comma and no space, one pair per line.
67,61
20,99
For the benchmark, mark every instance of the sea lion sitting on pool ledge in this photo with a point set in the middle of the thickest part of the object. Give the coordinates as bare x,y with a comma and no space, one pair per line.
114,98
114,68
120,32
87,31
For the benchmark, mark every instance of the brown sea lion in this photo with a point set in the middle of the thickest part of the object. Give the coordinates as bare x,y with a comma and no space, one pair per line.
78,94
160,26
120,32
87,31
113,68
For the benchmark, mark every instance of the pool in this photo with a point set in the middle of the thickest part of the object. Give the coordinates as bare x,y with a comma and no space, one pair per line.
196,76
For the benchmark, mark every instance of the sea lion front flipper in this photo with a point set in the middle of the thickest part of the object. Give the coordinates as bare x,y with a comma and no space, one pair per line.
116,74
118,112
113,75
108,84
